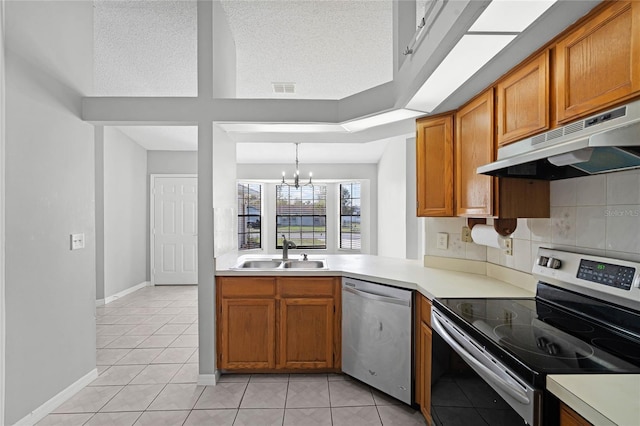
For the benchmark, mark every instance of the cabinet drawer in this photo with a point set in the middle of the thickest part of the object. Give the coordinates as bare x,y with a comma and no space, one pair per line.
306,287
425,310
246,286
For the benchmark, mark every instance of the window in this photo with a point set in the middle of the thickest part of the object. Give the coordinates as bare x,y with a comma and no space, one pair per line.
249,213
301,216
350,216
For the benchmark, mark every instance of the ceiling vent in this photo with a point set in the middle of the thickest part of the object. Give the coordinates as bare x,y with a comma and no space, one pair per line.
283,88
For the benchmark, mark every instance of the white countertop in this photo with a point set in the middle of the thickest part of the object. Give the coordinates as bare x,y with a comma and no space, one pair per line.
602,399
410,274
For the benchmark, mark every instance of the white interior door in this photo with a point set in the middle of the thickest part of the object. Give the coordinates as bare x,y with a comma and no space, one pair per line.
175,230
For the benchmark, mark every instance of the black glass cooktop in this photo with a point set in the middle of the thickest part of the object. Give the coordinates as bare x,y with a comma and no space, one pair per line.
538,338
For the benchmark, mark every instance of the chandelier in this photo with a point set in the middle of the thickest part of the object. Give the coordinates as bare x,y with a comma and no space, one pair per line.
296,174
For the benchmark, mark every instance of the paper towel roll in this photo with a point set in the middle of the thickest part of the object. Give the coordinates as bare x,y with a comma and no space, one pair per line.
485,235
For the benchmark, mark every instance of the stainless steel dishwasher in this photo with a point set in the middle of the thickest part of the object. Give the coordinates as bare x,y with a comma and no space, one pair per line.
377,342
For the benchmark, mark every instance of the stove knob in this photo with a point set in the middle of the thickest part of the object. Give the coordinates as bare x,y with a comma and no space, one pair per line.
552,349
541,342
554,263
542,260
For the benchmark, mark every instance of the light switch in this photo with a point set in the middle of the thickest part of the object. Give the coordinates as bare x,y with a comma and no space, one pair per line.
77,241
443,241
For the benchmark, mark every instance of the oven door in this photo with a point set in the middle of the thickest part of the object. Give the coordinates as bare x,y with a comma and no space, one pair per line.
524,399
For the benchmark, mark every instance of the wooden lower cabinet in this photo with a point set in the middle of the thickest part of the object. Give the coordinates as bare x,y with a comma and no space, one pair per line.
568,417
278,323
423,356
306,333
248,333
425,368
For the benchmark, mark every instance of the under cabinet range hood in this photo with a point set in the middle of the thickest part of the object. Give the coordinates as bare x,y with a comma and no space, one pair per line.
606,142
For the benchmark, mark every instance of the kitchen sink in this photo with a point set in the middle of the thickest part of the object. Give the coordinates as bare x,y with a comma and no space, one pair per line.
279,264
260,264
305,264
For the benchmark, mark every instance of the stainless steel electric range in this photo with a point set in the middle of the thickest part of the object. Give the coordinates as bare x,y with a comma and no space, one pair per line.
584,319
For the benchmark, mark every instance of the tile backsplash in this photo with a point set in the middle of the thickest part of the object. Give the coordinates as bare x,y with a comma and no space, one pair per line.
594,214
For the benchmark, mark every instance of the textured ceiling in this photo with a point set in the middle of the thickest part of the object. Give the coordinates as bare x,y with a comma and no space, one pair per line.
330,49
316,153
145,48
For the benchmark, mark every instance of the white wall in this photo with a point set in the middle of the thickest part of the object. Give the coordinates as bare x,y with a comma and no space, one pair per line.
224,55
125,212
225,219
414,224
595,214
392,200
50,290
365,173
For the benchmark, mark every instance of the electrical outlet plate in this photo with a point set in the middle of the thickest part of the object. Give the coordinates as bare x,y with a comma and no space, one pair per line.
508,246
466,235
77,241
443,241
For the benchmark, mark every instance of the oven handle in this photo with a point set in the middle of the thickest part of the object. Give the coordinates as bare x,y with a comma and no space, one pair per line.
514,392
377,297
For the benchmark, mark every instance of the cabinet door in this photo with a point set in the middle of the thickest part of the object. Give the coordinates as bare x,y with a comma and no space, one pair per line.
523,101
248,333
598,64
306,333
473,148
434,166
425,371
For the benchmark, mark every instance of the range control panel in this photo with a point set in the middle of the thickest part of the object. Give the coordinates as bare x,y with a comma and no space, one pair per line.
606,273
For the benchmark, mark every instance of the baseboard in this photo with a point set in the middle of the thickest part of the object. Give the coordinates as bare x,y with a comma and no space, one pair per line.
99,302
124,292
208,379
41,412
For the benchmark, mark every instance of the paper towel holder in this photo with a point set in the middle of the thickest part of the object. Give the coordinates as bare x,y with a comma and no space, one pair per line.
504,227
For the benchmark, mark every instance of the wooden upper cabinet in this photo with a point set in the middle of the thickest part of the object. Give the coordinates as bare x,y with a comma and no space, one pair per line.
474,147
434,165
598,64
523,101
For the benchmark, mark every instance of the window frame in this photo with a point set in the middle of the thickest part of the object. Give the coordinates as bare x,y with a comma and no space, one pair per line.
240,216
340,216
325,216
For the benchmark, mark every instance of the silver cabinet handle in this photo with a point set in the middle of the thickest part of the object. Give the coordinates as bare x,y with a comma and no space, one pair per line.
514,392
377,297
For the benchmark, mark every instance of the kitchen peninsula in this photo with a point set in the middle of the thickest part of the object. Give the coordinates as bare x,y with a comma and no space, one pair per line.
488,281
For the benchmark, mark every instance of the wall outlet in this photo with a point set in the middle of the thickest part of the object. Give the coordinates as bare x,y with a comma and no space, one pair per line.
77,241
443,241
466,235
508,246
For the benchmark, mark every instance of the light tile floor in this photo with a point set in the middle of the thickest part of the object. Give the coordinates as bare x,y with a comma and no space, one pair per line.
148,367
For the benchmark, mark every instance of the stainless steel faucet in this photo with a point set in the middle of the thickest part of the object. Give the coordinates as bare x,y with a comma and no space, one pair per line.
286,245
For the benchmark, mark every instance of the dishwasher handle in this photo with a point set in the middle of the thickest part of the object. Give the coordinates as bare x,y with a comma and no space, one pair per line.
377,297
512,391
